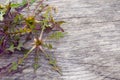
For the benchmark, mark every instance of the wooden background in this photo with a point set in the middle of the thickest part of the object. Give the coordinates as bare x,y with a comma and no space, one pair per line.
90,50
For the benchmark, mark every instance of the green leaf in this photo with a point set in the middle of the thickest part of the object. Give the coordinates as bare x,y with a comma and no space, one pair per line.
18,18
11,48
1,16
25,1
24,30
60,22
52,62
32,26
35,66
14,66
49,46
15,5
19,46
57,35
32,1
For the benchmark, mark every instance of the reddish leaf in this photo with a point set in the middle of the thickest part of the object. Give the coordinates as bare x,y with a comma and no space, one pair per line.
56,27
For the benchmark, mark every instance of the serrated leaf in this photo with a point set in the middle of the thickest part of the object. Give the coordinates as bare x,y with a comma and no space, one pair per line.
32,26
11,48
35,66
15,5
18,18
24,30
25,1
52,62
57,35
49,46
19,46
14,66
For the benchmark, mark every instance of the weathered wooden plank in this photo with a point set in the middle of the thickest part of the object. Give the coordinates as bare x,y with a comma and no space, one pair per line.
91,49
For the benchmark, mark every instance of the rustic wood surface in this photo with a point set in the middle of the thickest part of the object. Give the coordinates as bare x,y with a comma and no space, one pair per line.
91,48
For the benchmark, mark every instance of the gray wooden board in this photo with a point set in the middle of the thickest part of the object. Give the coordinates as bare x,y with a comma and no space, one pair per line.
91,48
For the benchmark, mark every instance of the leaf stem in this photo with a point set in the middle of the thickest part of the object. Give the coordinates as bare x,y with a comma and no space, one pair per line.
41,34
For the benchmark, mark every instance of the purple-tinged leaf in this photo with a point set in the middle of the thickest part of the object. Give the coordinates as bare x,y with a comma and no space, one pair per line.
21,7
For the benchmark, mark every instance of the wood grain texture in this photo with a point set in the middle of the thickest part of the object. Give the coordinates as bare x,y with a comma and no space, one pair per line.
90,50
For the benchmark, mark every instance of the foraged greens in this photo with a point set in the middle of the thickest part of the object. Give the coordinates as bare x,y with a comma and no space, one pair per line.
19,24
